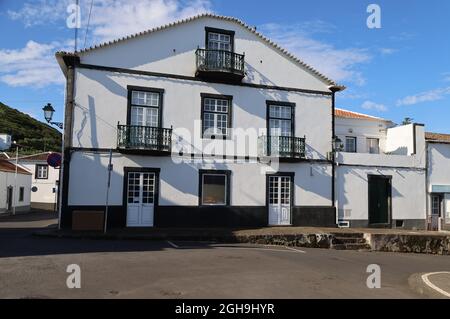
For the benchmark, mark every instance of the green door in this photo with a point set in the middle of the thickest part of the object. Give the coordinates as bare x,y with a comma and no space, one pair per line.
379,200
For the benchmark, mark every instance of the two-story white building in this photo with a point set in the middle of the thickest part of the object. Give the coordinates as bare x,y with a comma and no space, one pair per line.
438,181
381,172
209,123
45,180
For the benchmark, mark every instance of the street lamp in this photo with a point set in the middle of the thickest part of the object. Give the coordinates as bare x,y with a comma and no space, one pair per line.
48,115
337,144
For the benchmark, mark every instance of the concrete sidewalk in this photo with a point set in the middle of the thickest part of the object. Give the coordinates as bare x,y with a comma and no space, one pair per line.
388,240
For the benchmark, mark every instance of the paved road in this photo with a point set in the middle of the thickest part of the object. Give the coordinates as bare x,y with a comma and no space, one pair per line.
33,267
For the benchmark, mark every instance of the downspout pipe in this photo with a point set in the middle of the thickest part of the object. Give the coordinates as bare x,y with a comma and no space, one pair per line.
334,89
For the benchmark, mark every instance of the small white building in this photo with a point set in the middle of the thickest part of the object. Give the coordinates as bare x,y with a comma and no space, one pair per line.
14,189
5,141
45,180
438,181
381,171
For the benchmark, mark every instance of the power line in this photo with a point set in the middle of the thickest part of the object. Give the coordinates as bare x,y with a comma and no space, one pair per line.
89,21
77,2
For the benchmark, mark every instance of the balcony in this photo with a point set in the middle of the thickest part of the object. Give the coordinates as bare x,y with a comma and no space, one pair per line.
286,148
135,139
219,65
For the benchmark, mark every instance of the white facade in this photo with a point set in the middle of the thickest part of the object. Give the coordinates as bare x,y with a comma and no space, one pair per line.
438,187
45,180
5,142
14,190
102,95
400,159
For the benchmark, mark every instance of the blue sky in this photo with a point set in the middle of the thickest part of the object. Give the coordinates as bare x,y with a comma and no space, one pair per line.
401,70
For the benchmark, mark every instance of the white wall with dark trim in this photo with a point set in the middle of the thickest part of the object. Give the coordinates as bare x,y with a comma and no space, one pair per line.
179,182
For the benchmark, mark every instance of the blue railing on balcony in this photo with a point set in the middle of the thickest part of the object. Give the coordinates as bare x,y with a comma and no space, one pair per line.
282,146
220,60
134,137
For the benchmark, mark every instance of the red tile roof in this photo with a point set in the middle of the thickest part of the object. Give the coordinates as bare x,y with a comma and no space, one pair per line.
35,157
437,137
354,115
6,166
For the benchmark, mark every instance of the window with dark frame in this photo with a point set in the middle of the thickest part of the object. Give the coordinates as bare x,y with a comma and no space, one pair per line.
145,107
280,119
21,194
216,116
218,39
350,144
41,171
214,188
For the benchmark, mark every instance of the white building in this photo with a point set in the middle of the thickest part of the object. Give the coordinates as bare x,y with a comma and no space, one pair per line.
381,172
192,113
168,104
45,181
5,142
438,181
14,189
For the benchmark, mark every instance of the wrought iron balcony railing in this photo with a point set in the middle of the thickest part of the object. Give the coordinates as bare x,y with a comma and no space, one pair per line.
134,137
220,61
282,146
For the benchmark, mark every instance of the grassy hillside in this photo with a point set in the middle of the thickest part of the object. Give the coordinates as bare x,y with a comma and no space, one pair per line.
32,135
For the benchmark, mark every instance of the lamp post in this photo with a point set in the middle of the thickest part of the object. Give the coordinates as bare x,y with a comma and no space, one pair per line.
48,115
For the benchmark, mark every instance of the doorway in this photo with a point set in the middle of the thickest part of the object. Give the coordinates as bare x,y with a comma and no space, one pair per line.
9,198
141,198
280,199
380,193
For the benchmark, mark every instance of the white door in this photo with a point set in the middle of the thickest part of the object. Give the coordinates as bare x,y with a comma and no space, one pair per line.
279,200
141,199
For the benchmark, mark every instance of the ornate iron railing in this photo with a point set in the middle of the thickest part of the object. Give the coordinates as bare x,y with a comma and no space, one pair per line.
136,137
282,146
220,60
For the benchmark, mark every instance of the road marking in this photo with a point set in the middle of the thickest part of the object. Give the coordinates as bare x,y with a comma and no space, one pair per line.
256,248
290,248
432,286
295,249
173,245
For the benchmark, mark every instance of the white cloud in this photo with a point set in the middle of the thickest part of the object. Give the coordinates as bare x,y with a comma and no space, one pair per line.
387,51
369,105
110,19
427,96
446,76
338,64
34,65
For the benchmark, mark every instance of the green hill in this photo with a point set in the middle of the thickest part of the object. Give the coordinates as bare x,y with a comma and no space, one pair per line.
32,135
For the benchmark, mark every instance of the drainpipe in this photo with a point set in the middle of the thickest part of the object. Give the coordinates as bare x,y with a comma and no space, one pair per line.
333,89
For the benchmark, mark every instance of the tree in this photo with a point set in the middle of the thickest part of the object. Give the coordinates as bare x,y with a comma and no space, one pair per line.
407,120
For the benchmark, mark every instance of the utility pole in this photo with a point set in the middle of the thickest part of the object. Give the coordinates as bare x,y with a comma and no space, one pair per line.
15,179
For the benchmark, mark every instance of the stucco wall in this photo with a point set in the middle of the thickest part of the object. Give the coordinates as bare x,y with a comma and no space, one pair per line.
179,182
101,102
408,191
6,180
173,51
45,187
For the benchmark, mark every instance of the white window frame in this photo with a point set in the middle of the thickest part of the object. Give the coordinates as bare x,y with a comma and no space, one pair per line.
370,139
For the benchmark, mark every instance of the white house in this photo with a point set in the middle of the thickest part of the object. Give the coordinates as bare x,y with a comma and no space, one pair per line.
381,172
438,181
185,109
5,142
45,181
14,189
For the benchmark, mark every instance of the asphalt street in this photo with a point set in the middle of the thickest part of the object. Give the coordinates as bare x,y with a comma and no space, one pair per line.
34,267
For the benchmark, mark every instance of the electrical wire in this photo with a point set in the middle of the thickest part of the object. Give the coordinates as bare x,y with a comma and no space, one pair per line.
89,21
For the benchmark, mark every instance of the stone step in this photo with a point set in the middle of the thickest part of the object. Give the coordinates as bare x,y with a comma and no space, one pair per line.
351,247
348,235
348,240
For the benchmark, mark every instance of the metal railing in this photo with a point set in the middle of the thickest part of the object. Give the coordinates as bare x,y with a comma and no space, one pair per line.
282,146
220,60
144,138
